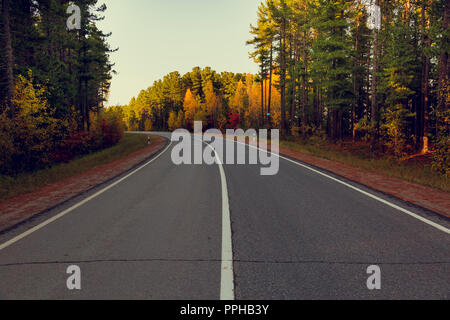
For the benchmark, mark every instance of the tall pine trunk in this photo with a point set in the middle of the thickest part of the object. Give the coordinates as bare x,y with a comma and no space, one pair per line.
9,58
422,141
262,96
355,78
303,84
374,111
443,87
270,85
294,62
283,77
262,102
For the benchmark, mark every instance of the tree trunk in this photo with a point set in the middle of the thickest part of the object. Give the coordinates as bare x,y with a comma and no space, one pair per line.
262,97
270,85
316,105
294,51
283,77
443,87
374,113
423,109
304,91
9,58
265,100
355,80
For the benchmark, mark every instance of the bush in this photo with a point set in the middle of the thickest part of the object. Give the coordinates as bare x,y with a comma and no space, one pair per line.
105,132
296,131
441,156
34,138
394,125
27,139
112,130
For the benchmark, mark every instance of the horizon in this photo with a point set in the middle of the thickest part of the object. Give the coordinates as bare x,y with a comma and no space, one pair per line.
180,37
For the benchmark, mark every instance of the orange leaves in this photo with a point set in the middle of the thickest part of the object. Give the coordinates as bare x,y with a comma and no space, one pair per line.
191,106
35,138
213,106
176,120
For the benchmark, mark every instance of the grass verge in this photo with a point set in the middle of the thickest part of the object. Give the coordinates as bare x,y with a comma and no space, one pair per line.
358,155
28,182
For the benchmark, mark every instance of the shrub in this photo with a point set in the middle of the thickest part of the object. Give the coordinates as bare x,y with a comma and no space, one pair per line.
27,139
172,122
112,130
234,120
394,125
295,131
105,132
34,138
441,157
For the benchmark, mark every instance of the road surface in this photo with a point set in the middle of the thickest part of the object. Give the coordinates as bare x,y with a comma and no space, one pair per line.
162,233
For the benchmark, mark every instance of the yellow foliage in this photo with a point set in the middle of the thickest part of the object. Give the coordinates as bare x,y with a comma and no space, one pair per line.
253,113
191,107
27,140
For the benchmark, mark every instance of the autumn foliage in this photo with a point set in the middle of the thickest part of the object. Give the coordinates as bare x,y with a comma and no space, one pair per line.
36,138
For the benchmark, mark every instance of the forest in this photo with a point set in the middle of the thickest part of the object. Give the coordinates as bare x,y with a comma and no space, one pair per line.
53,84
326,69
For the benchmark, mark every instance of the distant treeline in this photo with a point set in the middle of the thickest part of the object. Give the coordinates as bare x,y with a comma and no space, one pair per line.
324,72
220,100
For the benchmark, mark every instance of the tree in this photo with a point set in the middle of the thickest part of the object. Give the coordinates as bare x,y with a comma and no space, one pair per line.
331,68
375,113
191,107
172,121
240,101
213,105
443,59
361,36
280,13
8,57
263,54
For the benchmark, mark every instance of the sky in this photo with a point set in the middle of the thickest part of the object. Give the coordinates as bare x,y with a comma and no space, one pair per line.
156,37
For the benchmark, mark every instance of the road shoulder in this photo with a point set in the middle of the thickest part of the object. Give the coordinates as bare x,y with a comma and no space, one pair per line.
21,208
429,198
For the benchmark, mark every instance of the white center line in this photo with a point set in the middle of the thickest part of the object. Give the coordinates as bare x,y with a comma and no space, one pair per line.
227,276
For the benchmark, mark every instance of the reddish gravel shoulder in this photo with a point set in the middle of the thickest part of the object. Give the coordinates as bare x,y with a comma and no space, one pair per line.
21,208
426,197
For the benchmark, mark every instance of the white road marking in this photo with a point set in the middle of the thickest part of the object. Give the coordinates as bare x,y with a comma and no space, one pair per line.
412,214
79,204
227,276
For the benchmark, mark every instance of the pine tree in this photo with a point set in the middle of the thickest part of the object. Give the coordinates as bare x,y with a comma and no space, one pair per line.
280,13
8,57
263,53
332,52
213,105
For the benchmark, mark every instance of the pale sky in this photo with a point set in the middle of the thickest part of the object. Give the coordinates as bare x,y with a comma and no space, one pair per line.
156,37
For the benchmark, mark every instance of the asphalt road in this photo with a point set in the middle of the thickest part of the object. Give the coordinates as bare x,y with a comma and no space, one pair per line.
160,234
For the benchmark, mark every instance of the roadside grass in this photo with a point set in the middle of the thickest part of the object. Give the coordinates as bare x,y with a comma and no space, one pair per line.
28,182
358,155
